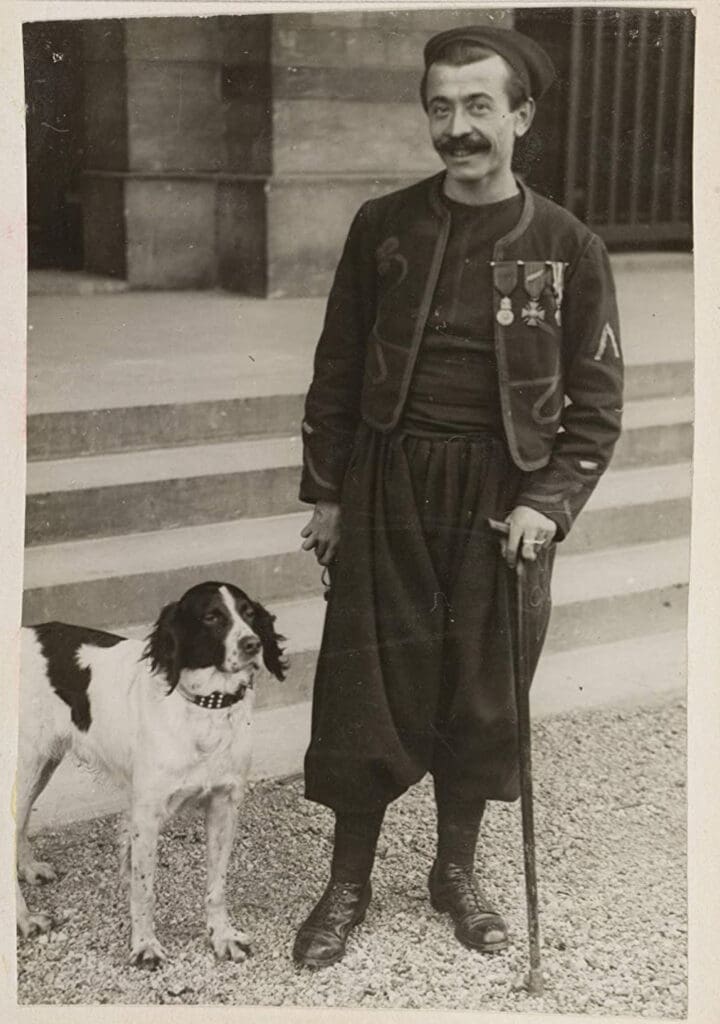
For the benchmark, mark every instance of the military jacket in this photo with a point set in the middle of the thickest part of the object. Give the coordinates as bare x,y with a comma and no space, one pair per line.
556,334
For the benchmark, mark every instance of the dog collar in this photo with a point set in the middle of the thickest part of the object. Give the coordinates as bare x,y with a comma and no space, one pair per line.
215,700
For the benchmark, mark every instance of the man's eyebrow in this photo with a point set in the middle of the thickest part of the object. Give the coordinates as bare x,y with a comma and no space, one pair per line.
473,96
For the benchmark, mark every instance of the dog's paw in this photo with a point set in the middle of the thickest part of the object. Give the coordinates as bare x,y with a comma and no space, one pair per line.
230,945
33,924
147,954
36,872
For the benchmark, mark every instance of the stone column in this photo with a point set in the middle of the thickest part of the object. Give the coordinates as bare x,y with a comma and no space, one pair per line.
154,115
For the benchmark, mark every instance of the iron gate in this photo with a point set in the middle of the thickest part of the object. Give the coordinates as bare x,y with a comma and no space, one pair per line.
628,165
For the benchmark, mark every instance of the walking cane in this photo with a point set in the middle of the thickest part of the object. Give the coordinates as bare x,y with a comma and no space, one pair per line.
534,980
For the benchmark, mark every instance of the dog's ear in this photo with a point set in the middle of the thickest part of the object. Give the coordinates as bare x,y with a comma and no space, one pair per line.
163,645
273,654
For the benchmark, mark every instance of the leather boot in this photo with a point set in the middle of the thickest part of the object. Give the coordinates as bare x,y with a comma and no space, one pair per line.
478,925
322,937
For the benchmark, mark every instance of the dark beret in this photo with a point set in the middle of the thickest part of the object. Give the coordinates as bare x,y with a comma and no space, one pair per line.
526,57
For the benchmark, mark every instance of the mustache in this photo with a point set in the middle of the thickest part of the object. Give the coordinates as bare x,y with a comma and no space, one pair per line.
463,144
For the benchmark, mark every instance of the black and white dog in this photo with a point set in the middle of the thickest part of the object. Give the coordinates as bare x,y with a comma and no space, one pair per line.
167,719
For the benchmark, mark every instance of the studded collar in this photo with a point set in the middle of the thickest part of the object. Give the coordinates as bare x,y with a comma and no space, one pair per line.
216,700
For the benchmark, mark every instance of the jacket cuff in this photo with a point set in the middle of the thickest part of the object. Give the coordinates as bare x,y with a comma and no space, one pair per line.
315,486
310,492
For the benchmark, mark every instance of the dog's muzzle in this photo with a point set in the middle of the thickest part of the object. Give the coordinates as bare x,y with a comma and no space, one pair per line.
248,649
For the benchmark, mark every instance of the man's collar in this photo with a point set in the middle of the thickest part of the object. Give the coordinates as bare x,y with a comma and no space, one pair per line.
528,207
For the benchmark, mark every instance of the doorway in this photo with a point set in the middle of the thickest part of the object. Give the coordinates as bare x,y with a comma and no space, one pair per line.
55,149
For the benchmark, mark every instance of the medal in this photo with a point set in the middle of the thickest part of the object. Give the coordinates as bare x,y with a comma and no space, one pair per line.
557,268
505,315
535,273
505,277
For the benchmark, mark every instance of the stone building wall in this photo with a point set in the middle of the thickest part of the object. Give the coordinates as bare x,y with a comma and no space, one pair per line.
232,152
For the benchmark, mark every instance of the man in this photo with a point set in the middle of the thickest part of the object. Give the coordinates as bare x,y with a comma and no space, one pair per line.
469,367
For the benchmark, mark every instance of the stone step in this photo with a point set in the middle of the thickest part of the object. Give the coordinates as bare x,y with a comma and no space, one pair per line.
585,678
55,435
127,492
655,430
128,578
73,282
122,493
598,598
632,506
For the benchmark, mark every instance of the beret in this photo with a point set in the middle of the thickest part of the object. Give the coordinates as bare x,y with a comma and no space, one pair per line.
526,57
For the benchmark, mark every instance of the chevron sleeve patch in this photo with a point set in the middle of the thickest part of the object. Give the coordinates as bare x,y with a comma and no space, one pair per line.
607,337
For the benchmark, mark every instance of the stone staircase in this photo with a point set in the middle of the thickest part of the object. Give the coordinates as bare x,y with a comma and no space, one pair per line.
114,534
129,506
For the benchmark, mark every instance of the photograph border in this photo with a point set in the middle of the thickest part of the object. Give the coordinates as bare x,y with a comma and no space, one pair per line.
704,593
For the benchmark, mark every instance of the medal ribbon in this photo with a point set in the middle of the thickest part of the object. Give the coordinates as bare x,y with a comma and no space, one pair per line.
505,277
557,269
535,278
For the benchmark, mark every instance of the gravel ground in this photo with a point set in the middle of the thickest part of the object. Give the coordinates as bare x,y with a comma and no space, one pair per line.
610,819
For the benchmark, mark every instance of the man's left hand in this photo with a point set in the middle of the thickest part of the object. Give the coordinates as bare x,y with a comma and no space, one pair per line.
529,531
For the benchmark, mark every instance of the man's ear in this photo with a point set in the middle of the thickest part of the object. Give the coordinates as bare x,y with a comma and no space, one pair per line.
524,116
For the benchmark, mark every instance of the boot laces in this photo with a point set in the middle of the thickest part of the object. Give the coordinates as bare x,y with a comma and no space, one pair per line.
333,904
463,878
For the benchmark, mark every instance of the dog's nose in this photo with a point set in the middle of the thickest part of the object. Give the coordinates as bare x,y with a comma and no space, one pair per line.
250,645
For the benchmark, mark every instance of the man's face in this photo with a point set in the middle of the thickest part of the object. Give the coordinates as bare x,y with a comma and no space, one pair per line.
471,124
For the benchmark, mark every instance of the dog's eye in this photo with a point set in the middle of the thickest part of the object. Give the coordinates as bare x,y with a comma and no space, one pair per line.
247,611
212,618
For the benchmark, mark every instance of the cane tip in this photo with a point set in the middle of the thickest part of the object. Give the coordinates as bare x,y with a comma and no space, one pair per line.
535,983
530,981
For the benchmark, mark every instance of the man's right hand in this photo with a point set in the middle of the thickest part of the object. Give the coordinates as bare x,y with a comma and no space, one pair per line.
323,532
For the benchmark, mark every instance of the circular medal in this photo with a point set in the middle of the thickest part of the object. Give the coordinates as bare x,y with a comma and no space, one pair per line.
505,317
505,279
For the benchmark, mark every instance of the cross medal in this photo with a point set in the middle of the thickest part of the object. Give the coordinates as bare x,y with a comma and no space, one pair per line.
533,314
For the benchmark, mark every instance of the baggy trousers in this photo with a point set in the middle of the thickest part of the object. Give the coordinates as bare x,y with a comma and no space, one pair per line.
416,666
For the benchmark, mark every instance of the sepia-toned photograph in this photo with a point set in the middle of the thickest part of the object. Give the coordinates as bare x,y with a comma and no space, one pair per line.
360,381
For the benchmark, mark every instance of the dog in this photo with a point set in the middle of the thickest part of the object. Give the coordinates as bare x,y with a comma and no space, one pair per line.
168,719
